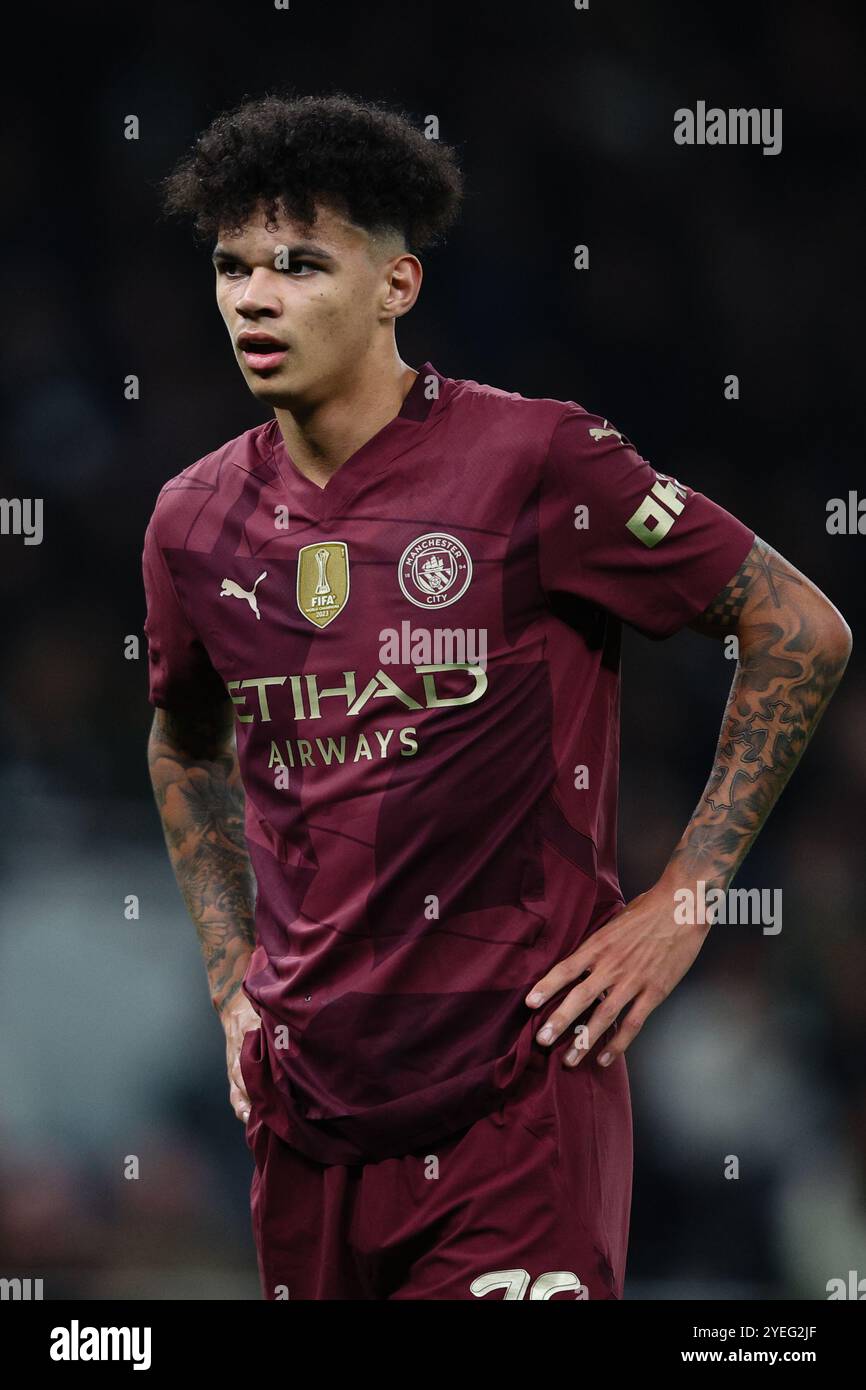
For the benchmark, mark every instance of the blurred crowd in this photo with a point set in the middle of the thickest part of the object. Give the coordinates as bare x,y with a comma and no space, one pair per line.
703,263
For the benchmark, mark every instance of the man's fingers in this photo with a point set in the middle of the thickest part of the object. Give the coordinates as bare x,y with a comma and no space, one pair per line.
240,1104
629,1027
240,1101
586,957
581,998
556,979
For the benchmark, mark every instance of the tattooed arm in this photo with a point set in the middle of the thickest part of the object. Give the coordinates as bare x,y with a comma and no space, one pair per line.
793,648
194,772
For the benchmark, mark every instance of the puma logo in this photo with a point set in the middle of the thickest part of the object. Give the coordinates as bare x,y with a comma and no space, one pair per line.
232,590
597,434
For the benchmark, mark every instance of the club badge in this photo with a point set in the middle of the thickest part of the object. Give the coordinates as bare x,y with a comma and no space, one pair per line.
435,570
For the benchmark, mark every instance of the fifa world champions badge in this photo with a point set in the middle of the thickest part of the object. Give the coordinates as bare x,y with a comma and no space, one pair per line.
323,581
434,570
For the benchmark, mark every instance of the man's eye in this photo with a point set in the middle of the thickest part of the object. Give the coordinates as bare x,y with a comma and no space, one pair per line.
230,268
294,266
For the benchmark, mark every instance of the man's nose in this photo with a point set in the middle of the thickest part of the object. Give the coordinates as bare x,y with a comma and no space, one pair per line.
258,296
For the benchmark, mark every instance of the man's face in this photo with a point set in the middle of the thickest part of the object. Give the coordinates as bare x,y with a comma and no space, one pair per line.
320,295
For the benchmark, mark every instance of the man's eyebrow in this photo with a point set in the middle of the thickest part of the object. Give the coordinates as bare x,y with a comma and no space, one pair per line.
298,248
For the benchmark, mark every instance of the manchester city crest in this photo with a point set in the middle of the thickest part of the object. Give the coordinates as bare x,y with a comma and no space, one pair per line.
434,570
323,580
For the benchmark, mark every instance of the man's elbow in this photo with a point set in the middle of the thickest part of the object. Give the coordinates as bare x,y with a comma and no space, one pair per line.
811,623
833,639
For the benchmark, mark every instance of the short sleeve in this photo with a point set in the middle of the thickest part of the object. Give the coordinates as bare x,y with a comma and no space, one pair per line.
180,672
640,544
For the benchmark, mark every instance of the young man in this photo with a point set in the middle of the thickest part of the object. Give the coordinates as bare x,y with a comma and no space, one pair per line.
384,634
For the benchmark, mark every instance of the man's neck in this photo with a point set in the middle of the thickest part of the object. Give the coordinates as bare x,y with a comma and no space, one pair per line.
321,440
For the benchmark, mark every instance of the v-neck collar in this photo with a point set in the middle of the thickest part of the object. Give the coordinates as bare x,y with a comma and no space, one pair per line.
379,450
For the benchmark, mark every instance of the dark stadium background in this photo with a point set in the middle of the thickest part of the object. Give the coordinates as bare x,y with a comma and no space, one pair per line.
703,262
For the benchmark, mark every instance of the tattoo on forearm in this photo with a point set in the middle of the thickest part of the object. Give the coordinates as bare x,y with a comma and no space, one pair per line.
193,768
787,672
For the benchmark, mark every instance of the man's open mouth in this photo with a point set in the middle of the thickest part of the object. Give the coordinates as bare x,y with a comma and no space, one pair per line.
262,353
254,343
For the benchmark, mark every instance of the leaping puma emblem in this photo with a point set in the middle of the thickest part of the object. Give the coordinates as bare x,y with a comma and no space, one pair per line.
232,590
598,434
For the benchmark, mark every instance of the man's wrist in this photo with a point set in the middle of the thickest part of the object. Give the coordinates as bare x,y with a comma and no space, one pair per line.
229,998
695,890
682,874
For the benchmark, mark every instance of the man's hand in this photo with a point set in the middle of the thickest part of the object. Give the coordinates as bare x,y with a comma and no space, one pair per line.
634,959
238,1018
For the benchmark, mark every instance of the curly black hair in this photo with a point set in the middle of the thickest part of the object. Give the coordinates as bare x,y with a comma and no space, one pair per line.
363,159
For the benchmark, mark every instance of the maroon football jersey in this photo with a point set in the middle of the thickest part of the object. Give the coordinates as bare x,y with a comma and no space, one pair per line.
424,661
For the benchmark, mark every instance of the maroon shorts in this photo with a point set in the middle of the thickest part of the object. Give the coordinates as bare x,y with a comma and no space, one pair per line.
532,1201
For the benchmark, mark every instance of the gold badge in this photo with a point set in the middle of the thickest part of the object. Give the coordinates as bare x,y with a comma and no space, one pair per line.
323,580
